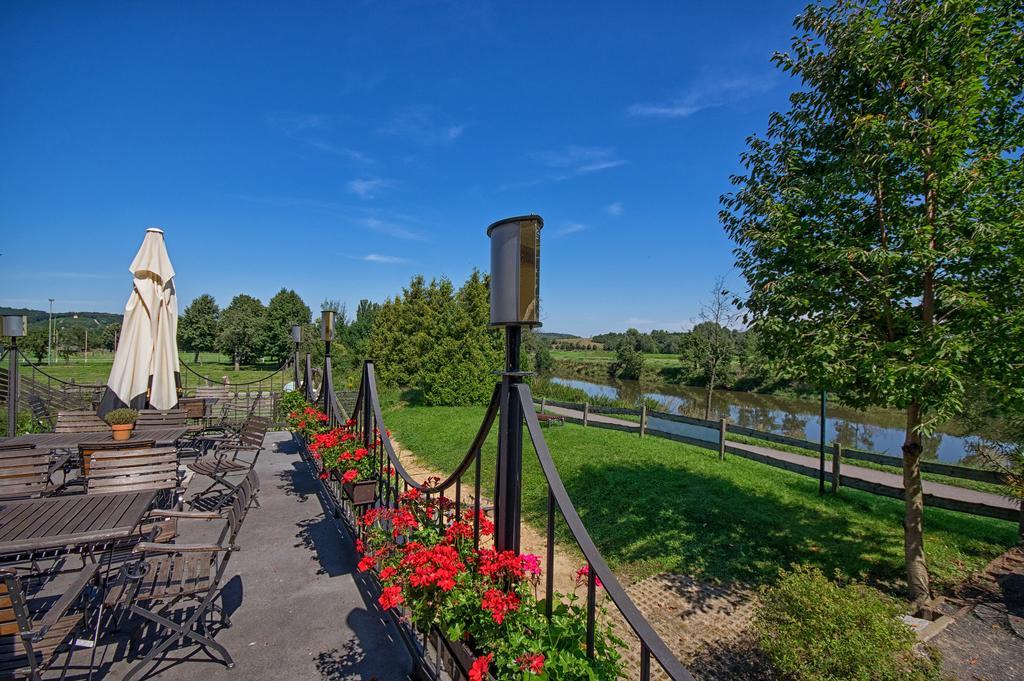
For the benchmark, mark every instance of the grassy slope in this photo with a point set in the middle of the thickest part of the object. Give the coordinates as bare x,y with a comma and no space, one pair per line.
653,505
97,370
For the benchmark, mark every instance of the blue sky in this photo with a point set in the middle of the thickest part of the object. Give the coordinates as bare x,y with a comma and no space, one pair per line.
338,148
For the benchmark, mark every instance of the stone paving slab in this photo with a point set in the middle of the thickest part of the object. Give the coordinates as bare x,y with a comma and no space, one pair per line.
297,611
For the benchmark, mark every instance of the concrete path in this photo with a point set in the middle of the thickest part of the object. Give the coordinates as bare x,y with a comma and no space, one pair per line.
298,613
891,480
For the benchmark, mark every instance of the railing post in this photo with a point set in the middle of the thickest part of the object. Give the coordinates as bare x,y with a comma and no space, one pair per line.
12,389
837,456
586,413
723,425
643,420
508,476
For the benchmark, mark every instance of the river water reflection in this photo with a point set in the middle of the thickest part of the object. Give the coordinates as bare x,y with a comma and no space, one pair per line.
876,431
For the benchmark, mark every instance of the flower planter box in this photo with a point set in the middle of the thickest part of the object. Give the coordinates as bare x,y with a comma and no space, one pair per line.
361,492
454,657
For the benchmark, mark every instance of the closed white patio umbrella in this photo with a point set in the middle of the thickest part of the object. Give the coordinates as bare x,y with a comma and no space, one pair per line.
145,371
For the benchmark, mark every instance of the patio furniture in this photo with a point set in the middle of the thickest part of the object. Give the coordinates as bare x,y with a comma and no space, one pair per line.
122,470
181,577
225,461
40,412
87,449
24,473
65,523
155,418
30,638
80,421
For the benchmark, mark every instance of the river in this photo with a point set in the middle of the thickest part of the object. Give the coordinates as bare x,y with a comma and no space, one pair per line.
876,430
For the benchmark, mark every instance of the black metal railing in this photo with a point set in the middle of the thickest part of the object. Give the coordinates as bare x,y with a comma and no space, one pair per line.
257,396
453,492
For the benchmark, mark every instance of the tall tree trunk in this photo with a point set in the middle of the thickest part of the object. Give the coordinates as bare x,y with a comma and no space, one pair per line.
236,362
913,523
196,360
711,388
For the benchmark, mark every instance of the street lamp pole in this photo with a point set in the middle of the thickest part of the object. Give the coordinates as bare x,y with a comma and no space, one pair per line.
49,337
327,335
515,303
297,339
14,326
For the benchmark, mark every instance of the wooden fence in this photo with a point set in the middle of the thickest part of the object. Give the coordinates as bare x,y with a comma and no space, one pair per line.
713,435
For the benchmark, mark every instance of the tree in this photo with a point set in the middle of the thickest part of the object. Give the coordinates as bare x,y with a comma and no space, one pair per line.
357,334
34,343
710,346
284,310
198,326
878,223
629,360
243,328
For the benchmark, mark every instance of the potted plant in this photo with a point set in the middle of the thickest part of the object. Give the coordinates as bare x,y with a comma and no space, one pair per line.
339,454
122,422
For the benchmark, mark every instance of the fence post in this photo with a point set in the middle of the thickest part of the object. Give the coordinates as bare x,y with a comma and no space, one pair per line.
643,420
586,413
721,439
543,404
837,456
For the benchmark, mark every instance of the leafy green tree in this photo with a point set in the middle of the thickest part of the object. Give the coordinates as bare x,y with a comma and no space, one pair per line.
710,346
243,329
878,223
198,326
357,334
284,310
629,360
34,343
106,339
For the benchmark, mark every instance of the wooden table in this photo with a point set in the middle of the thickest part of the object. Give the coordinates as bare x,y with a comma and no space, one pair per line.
70,521
165,437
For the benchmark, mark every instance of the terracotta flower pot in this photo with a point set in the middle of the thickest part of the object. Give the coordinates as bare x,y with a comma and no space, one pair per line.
122,431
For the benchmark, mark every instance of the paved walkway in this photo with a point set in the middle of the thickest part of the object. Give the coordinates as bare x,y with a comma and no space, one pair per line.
891,480
297,611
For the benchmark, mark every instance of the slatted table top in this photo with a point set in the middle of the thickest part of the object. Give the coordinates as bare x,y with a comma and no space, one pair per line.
69,521
165,437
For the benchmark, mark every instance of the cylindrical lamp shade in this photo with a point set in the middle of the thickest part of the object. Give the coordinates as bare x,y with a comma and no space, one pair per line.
327,325
296,334
515,271
15,325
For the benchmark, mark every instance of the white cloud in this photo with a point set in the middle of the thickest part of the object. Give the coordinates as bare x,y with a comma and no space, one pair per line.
706,93
392,229
569,162
615,209
369,187
423,124
309,129
384,259
570,228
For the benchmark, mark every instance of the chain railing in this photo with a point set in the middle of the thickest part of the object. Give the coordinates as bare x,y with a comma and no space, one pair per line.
258,396
457,493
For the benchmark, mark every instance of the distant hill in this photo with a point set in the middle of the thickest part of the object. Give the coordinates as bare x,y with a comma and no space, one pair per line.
555,336
42,316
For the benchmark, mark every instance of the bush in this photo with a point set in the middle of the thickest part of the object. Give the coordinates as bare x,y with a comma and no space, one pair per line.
813,628
121,417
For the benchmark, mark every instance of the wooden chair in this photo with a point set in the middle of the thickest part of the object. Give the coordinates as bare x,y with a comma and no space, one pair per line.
225,461
87,449
155,418
132,470
182,577
40,413
80,421
24,473
30,640
7,446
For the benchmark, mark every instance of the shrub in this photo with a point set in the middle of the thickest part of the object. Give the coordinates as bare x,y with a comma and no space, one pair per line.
121,417
813,628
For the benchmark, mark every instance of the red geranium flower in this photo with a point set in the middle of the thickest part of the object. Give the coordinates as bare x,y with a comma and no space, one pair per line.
390,597
499,604
350,475
583,573
532,663
323,475
388,573
366,563
478,672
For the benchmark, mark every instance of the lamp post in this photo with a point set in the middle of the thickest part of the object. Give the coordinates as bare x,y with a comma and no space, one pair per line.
14,327
297,339
515,303
49,337
327,335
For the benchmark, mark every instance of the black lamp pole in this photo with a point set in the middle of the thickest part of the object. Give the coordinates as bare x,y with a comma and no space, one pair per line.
515,288
13,327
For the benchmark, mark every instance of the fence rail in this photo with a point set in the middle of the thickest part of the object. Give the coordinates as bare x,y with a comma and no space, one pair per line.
713,435
369,420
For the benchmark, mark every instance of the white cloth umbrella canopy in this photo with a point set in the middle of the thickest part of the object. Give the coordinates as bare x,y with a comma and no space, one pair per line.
145,371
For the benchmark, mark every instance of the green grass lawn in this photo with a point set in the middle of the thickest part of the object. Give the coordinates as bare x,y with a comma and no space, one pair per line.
655,361
654,505
96,371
